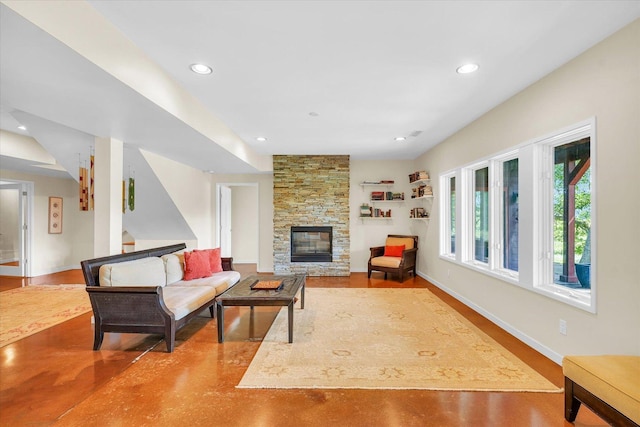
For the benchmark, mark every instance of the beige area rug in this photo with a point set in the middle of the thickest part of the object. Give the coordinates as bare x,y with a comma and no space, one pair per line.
385,339
25,311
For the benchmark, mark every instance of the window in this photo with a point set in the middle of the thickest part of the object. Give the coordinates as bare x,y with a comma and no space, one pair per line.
547,246
571,213
566,224
448,213
509,218
481,215
452,211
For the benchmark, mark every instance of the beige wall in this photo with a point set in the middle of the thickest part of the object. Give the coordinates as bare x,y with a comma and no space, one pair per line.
604,83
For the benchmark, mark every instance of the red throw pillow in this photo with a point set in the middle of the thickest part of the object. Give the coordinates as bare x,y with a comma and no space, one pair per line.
196,265
393,250
215,262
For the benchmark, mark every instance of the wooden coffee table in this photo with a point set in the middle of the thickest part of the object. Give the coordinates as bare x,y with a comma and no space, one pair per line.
241,294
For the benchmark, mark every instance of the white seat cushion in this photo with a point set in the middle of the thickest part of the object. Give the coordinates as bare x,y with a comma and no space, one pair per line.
219,281
182,300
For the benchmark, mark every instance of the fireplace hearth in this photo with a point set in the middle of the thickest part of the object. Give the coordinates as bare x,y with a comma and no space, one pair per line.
311,244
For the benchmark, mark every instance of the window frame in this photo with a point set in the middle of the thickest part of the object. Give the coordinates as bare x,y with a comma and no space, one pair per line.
468,215
543,282
499,217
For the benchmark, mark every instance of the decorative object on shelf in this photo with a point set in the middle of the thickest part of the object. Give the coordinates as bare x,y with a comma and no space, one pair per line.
55,215
365,211
418,176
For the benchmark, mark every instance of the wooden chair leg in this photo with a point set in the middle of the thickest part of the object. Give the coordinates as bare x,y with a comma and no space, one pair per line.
98,336
571,404
170,336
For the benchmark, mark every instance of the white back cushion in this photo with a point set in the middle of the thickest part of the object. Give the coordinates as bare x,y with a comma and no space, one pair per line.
140,272
174,267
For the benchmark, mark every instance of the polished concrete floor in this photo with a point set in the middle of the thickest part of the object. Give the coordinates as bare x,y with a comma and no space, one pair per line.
54,377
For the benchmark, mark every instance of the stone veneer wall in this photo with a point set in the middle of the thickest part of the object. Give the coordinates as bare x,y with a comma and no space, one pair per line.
311,191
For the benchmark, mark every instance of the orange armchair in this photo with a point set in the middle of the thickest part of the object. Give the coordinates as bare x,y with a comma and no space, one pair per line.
395,261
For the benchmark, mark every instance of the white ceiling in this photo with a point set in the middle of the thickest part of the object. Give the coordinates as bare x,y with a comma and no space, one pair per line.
371,70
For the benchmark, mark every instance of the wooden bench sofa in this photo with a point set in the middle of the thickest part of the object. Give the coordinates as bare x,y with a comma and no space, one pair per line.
144,292
608,385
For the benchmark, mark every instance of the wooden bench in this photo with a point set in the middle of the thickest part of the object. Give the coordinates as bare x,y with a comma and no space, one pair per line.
608,385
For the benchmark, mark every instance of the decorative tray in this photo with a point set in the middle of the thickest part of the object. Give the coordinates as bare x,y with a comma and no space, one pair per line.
267,285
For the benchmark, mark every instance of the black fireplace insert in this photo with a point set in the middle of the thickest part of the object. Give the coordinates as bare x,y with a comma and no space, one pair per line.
311,244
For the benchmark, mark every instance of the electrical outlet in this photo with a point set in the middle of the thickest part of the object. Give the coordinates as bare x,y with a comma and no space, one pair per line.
448,273
562,326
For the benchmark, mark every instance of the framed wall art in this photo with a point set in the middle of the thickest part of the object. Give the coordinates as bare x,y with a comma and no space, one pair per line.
55,215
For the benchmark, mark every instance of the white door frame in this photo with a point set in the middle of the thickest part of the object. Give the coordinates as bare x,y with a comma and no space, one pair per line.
25,189
219,210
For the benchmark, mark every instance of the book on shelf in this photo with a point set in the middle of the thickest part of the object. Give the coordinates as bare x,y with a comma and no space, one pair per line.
418,176
418,213
421,191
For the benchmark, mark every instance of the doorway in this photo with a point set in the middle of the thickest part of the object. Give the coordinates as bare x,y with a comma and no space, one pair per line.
237,221
15,227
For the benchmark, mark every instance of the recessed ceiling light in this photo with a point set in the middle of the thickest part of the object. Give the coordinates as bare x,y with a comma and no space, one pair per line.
22,127
201,69
467,68
261,139
399,138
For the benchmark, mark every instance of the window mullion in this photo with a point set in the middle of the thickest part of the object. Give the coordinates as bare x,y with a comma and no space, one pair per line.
495,215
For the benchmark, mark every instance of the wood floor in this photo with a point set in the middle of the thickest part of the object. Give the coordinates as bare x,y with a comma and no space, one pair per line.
54,377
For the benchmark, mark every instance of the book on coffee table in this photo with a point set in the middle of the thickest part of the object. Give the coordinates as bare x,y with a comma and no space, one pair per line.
267,285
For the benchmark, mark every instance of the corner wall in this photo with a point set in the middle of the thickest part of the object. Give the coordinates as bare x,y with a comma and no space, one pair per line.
603,82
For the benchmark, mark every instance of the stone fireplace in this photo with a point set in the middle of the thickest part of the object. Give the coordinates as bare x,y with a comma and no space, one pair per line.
311,191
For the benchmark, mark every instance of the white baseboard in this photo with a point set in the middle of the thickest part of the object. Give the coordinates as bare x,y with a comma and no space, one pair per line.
531,342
